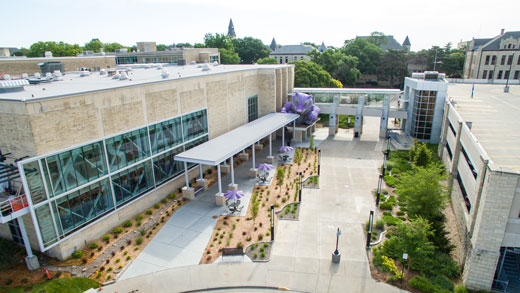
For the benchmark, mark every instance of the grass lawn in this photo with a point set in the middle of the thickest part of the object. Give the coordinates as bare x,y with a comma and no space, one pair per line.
58,285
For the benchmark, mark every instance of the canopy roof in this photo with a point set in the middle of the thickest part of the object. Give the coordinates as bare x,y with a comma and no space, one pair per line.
228,144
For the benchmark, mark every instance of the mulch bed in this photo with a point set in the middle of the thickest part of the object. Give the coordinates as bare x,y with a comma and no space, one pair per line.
254,251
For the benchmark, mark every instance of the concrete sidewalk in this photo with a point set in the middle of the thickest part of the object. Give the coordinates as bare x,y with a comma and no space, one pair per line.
301,258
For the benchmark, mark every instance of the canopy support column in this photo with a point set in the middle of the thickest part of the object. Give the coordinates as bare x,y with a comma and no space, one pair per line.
219,180
201,182
270,158
283,136
186,175
294,130
187,191
31,260
232,172
220,200
200,171
253,172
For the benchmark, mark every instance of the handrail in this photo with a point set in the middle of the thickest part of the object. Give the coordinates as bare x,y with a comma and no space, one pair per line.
12,205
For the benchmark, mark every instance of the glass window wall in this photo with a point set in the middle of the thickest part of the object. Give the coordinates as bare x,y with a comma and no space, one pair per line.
252,108
46,225
165,135
34,182
165,167
195,124
128,148
131,183
423,110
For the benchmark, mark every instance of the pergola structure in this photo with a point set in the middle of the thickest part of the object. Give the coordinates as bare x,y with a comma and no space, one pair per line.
224,147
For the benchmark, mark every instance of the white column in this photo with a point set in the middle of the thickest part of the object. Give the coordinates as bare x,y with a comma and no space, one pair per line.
25,238
232,171
186,174
219,181
200,171
270,145
283,136
253,149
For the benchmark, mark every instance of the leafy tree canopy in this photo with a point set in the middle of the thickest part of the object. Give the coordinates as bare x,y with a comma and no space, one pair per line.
58,49
367,53
340,66
250,49
267,60
310,74
228,56
221,41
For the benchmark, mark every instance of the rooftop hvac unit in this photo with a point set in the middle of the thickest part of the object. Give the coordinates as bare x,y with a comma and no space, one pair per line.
181,62
205,67
51,66
431,75
165,73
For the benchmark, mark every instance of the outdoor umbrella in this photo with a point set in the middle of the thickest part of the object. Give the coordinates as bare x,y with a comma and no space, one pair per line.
285,149
233,194
264,167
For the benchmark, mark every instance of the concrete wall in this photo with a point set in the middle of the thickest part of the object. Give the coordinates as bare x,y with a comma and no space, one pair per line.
15,131
17,66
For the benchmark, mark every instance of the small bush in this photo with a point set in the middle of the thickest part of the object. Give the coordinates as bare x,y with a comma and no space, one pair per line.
139,218
262,254
422,284
128,258
138,223
93,245
77,254
109,269
142,231
149,212
380,224
260,237
384,191
172,195
400,213
139,240
390,181
240,245
442,282
164,200
391,221
460,289
386,206
156,206
106,237
117,230
98,275
127,224
118,260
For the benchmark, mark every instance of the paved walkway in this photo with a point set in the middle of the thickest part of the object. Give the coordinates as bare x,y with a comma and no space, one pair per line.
302,249
182,240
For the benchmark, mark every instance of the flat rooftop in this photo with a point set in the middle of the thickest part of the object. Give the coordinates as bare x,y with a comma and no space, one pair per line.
73,83
495,118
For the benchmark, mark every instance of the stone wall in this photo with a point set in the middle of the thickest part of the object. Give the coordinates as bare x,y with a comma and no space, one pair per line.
15,131
17,66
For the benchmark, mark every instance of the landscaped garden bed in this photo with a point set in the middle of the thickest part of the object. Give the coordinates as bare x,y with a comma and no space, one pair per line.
259,251
231,231
312,182
289,212
416,252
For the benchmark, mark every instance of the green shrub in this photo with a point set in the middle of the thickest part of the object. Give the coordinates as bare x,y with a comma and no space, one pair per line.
422,284
442,263
156,206
384,191
106,237
460,289
149,212
77,254
442,282
386,206
390,220
142,231
139,218
139,240
380,224
390,181
400,213
117,230
93,245
172,195
164,200
127,224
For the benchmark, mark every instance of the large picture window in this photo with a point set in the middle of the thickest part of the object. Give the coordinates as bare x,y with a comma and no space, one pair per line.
165,167
131,183
128,148
195,124
423,110
165,135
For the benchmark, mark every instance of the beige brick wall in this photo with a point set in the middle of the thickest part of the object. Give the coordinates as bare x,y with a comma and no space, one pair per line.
15,131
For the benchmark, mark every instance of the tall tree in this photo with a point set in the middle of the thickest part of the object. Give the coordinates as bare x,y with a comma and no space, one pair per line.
94,45
112,47
367,53
393,67
250,49
218,41
58,49
340,66
310,74
228,56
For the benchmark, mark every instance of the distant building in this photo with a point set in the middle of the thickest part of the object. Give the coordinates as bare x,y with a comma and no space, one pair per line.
273,45
7,51
19,65
146,47
291,53
493,58
231,29
322,47
147,53
390,43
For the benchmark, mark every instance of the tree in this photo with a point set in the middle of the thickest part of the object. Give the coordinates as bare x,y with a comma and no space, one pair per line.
338,65
58,49
250,49
421,189
184,45
310,74
423,156
367,53
377,38
393,66
21,52
218,41
94,45
414,240
163,47
228,56
267,60
112,47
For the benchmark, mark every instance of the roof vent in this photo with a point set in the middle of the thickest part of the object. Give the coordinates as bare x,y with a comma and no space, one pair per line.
159,67
57,75
7,86
37,75
165,73
48,54
123,76
48,75
102,72
83,73
117,75
205,67
25,75
193,62
215,63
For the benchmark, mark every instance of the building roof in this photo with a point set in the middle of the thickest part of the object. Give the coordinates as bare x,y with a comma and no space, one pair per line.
273,45
293,50
406,42
139,74
494,44
390,43
492,114
230,143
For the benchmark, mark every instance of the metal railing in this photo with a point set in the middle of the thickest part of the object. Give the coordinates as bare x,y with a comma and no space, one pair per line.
9,206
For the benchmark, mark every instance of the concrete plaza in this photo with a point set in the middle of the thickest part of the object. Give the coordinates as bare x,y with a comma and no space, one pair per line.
301,257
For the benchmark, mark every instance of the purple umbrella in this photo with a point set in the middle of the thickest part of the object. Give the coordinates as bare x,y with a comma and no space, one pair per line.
285,149
233,194
264,167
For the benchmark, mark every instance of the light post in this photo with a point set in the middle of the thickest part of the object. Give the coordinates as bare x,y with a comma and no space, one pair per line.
369,232
378,192
272,223
506,88
435,62
300,189
336,255
405,257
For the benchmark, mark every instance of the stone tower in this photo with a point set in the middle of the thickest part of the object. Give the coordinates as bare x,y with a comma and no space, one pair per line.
231,29
273,45
407,44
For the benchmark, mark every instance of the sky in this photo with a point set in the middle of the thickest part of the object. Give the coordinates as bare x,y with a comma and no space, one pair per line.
427,23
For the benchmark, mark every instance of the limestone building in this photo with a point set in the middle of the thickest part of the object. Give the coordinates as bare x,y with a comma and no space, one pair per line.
495,58
479,146
95,150
291,53
20,65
